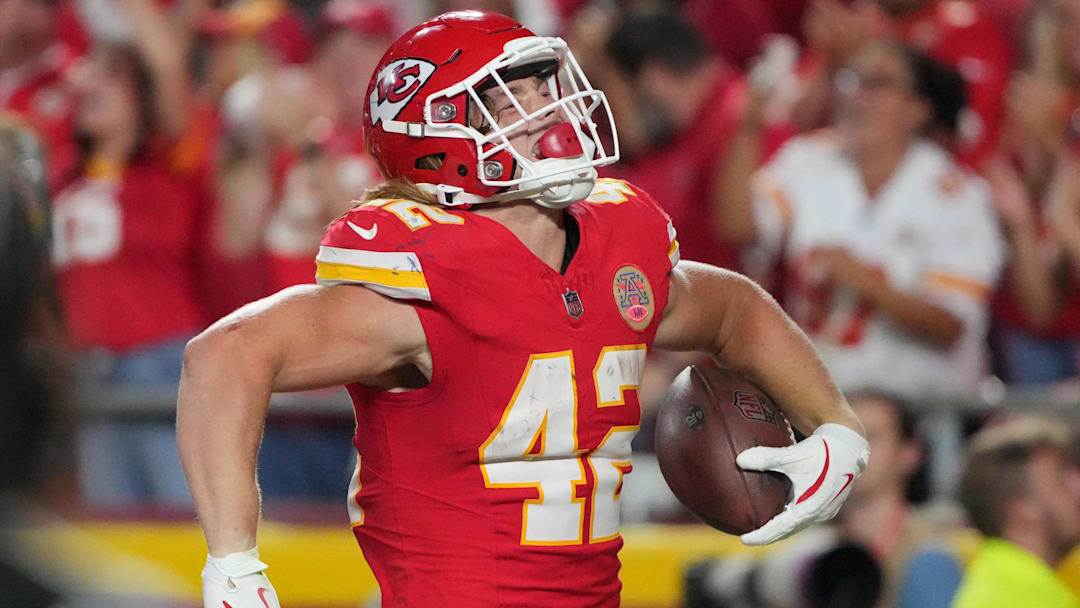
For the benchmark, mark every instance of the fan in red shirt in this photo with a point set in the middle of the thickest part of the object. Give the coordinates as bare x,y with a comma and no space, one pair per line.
127,235
294,151
1036,191
677,104
38,41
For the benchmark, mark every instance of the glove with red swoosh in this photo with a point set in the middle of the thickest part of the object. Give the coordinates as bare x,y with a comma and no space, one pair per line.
237,581
821,468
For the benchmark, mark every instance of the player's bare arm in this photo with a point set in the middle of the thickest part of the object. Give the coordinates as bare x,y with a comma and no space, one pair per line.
725,314
301,338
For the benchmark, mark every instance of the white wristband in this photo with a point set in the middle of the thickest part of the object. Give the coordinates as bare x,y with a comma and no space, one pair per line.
241,563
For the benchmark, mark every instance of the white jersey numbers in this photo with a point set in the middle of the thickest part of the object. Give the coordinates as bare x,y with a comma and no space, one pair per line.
536,444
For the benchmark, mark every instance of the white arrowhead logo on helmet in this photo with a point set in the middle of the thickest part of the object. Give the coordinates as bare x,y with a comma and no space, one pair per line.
396,85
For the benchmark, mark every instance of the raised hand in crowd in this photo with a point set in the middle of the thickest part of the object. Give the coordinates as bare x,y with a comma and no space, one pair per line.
1064,210
1037,106
163,45
1030,270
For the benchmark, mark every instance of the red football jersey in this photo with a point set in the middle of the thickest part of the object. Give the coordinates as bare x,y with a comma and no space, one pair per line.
497,484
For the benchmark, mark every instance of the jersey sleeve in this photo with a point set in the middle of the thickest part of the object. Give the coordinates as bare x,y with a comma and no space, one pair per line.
965,261
656,223
368,247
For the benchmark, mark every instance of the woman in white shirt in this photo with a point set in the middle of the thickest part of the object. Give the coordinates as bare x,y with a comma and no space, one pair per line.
890,248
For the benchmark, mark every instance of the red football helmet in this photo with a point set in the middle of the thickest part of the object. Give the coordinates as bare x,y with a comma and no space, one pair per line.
429,84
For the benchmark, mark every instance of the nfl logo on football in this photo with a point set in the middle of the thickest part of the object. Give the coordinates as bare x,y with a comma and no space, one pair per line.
752,407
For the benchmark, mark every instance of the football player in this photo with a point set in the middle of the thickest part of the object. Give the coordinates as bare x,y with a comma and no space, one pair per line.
489,309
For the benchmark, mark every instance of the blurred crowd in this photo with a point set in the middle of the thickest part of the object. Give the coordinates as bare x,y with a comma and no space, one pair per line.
903,175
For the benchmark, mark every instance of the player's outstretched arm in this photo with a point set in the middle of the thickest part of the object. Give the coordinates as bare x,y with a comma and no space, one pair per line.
301,338
725,314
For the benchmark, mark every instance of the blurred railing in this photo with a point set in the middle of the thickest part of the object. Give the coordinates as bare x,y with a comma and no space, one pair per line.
941,419
993,395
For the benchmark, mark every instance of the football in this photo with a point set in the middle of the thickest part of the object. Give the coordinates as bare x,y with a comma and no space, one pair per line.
708,416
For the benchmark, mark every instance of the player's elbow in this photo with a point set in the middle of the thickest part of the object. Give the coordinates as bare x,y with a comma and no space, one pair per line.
216,347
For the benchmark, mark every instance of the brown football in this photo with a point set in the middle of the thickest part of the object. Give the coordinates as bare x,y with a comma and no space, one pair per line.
708,416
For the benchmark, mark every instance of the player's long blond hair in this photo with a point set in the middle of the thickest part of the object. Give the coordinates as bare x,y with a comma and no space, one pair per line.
399,187
402,187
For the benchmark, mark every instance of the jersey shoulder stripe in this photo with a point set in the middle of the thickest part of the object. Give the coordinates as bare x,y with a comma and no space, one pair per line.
397,274
673,249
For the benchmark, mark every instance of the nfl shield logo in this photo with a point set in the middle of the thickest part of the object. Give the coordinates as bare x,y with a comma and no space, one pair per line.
573,304
753,408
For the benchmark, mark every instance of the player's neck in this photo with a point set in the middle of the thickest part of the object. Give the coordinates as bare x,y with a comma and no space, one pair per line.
540,229
114,148
1033,539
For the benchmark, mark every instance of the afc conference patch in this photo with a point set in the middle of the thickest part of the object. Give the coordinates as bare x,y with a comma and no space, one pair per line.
573,304
633,296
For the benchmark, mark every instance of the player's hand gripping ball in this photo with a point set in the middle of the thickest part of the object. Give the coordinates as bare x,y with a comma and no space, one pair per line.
728,454
237,581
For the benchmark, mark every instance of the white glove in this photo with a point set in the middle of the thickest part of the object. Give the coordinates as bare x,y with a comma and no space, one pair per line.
237,581
821,468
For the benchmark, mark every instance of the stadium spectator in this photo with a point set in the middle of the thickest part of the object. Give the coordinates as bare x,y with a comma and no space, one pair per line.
1036,192
293,155
240,42
953,32
1021,489
890,248
920,570
676,104
33,63
127,235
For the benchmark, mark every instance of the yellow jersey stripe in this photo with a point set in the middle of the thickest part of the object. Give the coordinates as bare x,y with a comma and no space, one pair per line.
362,274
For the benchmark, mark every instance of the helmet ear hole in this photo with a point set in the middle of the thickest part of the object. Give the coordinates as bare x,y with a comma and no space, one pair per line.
462,170
431,162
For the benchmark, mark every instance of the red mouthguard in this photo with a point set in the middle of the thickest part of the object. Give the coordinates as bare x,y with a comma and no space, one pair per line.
560,141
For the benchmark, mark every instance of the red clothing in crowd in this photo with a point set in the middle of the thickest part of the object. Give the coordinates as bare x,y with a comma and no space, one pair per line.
1007,309
735,28
36,91
290,246
959,34
126,254
681,175
1009,313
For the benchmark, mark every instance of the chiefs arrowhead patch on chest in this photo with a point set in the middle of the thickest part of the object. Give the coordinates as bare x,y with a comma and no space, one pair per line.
633,296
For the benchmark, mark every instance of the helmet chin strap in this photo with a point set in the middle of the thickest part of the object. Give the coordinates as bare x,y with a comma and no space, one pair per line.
553,192
561,189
